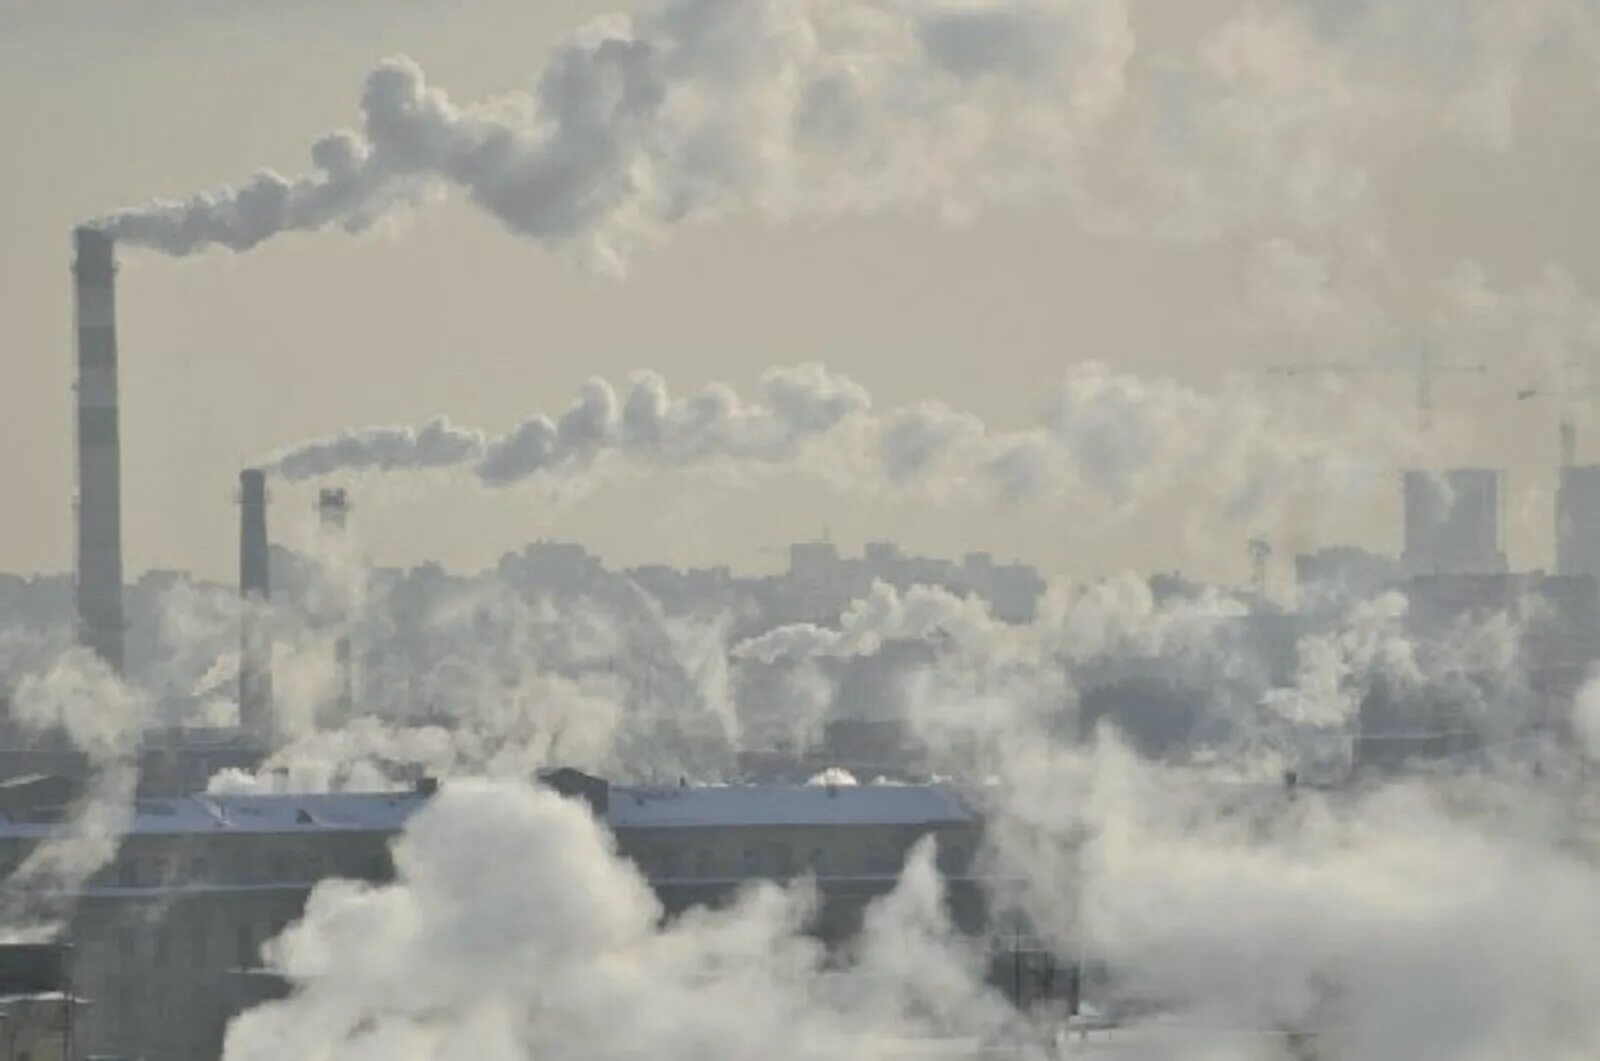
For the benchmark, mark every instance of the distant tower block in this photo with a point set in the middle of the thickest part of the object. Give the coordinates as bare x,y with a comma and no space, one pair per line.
1453,523
99,509
255,590
1578,521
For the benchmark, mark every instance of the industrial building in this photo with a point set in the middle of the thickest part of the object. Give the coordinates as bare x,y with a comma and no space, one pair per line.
1578,521
166,939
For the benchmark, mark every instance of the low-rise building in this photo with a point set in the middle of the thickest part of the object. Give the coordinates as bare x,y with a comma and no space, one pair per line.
166,939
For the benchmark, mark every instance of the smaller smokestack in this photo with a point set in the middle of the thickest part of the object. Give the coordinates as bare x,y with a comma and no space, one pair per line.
255,589
333,512
333,507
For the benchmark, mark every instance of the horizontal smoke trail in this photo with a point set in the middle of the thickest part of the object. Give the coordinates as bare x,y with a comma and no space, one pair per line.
647,423
1109,441
696,108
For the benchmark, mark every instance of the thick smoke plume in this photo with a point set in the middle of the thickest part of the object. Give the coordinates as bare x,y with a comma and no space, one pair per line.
693,109
1273,119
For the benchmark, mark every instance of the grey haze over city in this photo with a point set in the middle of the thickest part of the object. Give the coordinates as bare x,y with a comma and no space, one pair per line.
800,529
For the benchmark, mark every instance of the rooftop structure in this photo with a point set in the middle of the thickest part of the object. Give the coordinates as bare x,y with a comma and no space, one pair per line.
628,807
773,805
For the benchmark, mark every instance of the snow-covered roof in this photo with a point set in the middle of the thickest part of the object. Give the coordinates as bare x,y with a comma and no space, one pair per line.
631,807
293,813
762,805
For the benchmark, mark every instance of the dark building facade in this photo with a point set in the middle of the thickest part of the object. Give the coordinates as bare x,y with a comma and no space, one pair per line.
166,940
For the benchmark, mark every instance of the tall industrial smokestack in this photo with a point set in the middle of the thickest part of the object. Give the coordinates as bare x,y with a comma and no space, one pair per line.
99,509
255,588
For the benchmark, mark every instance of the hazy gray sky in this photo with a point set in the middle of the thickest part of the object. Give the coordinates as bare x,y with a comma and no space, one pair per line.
1385,147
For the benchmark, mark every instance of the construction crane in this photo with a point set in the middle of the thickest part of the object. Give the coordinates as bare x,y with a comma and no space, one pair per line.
1427,368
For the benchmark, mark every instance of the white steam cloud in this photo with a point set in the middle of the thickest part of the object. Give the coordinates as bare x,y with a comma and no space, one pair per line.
1275,118
80,697
514,930
645,423
693,109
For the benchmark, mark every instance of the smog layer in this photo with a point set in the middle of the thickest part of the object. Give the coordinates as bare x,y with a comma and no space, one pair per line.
1331,798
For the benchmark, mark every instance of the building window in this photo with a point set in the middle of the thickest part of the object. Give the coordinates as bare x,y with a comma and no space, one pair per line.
750,862
125,1015
278,867
782,860
246,945
818,861
670,868
705,865
128,872
199,871
877,862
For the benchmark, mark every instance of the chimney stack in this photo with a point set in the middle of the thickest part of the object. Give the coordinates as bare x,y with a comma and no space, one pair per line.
333,513
255,588
333,508
99,507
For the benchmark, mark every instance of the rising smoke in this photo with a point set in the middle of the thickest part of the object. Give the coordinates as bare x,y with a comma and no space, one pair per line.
79,697
695,109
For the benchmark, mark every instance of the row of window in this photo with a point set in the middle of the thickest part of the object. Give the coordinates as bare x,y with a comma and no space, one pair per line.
189,940
274,867
135,869
781,861
133,1011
